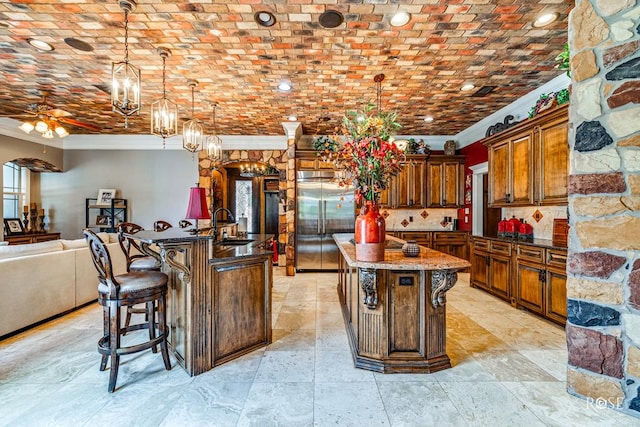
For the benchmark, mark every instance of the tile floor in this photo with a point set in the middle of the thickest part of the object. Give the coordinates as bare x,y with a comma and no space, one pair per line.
509,370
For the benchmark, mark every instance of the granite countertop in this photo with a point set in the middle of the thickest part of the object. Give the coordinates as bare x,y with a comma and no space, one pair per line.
544,243
430,230
219,249
394,259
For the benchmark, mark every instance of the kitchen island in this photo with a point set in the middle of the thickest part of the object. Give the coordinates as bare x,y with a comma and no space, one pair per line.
219,303
394,310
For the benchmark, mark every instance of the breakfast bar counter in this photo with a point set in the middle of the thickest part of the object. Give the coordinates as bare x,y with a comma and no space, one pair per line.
394,310
219,304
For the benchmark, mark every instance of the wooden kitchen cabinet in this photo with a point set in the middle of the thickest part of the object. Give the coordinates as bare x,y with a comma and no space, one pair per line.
423,238
408,188
491,267
445,179
451,242
542,281
552,161
528,163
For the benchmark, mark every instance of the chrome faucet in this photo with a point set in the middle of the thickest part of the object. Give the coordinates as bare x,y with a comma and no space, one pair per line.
230,217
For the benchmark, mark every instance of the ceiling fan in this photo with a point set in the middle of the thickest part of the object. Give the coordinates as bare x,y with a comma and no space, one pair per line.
47,120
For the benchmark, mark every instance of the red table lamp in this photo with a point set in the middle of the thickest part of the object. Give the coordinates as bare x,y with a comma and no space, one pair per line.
197,205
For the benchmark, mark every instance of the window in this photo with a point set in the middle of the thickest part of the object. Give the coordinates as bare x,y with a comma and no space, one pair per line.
244,201
15,179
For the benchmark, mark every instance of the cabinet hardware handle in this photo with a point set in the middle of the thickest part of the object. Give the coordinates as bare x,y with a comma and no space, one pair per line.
487,260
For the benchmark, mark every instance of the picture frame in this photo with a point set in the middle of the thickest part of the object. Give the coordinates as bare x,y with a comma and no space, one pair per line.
103,220
13,227
105,195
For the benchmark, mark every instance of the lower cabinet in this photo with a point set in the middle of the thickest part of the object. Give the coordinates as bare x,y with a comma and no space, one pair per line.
422,238
530,277
452,243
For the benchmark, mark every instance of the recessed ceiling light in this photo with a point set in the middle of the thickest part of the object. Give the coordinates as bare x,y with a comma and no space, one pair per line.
284,86
78,44
545,19
292,118
428,119
264,18
331,19
40,45
467,87
401,18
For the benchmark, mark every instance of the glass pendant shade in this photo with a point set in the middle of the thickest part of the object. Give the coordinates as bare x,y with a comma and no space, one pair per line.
125,78
214,144
27,127
164,113
192,131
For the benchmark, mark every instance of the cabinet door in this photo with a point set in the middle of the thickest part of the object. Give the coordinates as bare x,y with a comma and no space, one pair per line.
556,295
386,196
451,184
423,238
521,164
499,174
552,163
410,184
500,276
434,184
529,287
480,269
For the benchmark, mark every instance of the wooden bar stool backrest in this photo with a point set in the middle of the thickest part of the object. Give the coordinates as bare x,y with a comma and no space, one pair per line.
184,223
126,243
102,261
161,225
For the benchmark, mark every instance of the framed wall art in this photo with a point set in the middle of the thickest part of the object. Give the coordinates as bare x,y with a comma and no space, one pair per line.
13,227
105,196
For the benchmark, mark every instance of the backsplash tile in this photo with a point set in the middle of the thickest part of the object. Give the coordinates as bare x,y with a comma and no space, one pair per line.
543,229
423,219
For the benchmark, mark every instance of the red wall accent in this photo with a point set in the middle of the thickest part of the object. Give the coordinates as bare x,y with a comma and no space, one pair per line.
474,154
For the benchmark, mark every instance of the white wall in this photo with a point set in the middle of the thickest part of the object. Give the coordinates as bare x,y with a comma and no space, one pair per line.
155,182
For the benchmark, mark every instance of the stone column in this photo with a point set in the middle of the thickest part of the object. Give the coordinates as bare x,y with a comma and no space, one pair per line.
603,285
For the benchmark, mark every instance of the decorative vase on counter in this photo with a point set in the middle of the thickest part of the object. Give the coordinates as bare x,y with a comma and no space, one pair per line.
410,249
370,233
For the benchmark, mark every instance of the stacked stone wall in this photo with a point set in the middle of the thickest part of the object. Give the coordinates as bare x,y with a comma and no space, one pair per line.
603,285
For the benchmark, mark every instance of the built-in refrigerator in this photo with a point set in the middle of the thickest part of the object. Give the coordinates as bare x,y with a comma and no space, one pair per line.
323,208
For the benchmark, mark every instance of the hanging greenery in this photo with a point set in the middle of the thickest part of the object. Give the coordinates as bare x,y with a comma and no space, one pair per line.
562,60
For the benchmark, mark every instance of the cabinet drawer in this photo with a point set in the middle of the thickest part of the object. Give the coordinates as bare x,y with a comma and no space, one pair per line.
421,237
481,244
531,253
444,237
500,248
557,258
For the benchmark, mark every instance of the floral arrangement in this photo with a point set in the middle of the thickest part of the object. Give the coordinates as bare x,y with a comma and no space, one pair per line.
366,158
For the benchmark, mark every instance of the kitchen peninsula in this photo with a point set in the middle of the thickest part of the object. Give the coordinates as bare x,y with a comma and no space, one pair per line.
394,310
219,304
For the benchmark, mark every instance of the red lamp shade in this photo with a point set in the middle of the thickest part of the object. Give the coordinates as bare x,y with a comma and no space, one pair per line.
197,204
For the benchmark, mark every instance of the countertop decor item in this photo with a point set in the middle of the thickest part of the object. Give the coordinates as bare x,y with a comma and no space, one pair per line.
411,248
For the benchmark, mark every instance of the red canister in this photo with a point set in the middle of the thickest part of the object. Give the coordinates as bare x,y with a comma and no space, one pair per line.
501,227
512,227
525,232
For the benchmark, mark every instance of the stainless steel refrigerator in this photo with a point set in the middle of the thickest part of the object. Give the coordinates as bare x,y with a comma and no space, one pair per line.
323,208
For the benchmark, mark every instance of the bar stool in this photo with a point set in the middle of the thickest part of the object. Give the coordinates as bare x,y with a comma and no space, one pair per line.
184,223
161,225
123,290
135,261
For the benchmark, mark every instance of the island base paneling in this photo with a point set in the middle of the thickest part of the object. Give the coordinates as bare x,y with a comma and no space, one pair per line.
404,332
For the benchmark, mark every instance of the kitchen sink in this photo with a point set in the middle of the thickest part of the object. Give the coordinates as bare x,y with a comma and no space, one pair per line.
234,242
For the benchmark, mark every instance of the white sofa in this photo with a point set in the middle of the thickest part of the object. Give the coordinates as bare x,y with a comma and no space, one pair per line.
42,280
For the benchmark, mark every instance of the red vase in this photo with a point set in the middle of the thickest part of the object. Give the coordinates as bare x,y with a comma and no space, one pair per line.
370,233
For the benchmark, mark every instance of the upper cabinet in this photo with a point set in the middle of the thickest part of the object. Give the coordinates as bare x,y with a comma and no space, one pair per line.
408,188
445,178
528,163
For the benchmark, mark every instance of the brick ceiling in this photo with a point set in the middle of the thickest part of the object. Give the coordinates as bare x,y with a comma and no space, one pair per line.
239,63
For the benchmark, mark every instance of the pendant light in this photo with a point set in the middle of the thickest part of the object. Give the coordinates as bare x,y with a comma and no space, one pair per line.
164,113
125,78
192,131
214,143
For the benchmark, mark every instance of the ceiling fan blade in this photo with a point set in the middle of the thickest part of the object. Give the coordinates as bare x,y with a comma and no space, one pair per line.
56,112
74,122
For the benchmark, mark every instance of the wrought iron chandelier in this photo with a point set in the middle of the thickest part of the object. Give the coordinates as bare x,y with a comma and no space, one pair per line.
164,113
125,78
192,131
214,143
